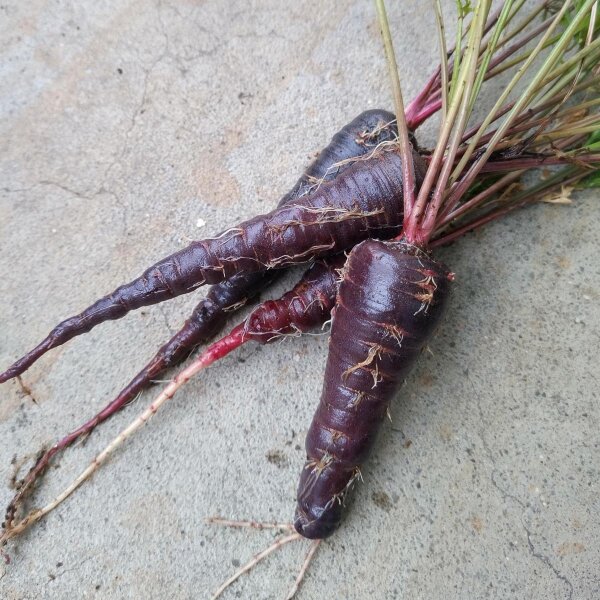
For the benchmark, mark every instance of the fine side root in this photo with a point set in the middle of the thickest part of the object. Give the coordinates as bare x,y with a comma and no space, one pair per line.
24,487
307,560
291,536
374,353
278,543
250,524
366,136
288,259
213,353
331,215
385,146
365,139
395,332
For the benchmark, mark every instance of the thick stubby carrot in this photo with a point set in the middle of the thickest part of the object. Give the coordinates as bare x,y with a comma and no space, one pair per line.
306,306
356,139
389,302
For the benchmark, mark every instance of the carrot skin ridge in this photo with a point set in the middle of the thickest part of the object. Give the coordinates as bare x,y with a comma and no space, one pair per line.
390,300
306,306
355,139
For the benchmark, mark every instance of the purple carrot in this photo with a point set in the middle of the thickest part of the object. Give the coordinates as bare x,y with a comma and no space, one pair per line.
390,300
305,307
357,138
163,281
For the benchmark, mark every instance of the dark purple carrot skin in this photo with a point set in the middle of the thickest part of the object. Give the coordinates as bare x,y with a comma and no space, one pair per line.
306,306
357,138
390,300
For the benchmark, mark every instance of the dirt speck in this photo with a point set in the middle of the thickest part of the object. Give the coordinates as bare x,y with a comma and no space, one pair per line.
277,458
563,262
382,500
567,548
446,433
476,524
427,380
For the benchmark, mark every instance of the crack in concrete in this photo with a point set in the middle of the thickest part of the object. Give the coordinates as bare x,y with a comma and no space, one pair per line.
53,577
481,434
46,182
504,493
140,106
546,561
65,188
507,495
17,190
80,195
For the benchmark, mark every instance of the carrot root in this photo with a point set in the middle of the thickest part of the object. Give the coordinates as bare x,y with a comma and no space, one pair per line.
306,306
390,299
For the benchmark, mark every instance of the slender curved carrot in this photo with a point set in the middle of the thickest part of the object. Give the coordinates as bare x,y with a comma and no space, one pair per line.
363,201
355,139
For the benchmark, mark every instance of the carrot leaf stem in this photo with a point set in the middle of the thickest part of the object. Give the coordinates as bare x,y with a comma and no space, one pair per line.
408,173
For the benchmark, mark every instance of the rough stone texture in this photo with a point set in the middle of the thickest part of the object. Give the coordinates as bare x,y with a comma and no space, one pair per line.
123,123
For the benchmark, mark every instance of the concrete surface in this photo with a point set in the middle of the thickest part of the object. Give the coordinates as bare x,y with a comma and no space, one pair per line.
123,124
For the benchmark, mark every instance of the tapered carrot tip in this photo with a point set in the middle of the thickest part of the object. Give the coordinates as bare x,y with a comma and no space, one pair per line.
26,361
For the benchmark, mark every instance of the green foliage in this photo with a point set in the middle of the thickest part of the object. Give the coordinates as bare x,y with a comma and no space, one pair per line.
481,184
464,7
593,142
555,5
582,30
591,181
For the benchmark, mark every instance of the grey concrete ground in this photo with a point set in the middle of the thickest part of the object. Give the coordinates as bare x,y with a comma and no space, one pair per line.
123,124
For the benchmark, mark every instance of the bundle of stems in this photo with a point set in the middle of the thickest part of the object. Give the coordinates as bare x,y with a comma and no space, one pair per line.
554,120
